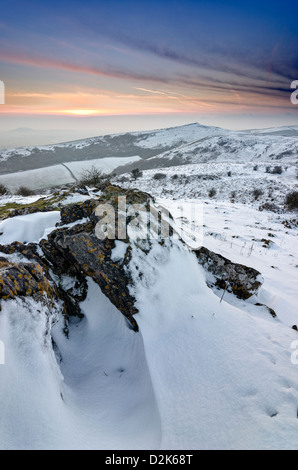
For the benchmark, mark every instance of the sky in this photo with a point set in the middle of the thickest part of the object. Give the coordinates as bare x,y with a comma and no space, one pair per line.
91,66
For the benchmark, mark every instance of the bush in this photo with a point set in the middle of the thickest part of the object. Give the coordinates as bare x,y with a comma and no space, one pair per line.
277,170
257,193
123,179
233,194
3,190
229,173
268,169
136,173
175,177
212,192
24,191
269,206
91,177
159,176
255,168
292,200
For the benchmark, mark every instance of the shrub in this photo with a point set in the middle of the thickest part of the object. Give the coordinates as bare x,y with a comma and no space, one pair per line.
269,206
175,177
123,179
292,200
233,194
212,192
3,190
136,173
277,170
257,193
255,168
159,176
268,169
91,177
229,173
24,191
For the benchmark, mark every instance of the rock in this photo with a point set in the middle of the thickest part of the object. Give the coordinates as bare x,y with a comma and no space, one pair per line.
25,280
74,212
236,278
270,310
31,277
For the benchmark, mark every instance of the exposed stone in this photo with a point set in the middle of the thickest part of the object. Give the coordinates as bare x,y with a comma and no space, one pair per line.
270,310
27,283
73,212
236,278
78,251
25,280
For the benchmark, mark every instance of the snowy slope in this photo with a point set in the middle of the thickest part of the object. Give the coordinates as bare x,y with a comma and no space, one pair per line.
222,374
231,182
235,147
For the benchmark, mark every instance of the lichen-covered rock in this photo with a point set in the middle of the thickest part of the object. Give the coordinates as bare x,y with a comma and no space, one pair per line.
25,280
224,274
31,277
73,212
78,251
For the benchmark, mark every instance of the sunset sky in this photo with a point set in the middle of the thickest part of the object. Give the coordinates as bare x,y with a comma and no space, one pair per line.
225,63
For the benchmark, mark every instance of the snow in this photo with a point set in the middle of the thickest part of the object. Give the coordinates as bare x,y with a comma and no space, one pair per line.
30,380
19,199
119,251
222,376
28,228
37,179
179,135
234,147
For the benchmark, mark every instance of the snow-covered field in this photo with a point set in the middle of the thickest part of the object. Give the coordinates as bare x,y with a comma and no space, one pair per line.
56,175
230,181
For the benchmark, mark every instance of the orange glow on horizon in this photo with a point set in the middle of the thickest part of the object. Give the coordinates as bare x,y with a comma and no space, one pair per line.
83,112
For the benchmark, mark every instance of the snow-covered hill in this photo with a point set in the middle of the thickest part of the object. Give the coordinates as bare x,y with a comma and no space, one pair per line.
121,153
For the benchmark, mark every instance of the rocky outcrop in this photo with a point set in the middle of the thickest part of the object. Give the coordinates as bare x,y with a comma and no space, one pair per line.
224,274
77,251
74,250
